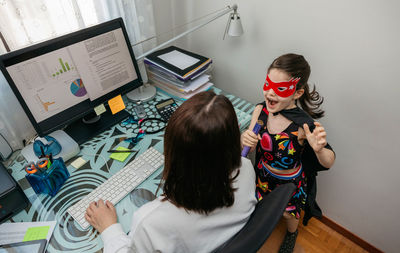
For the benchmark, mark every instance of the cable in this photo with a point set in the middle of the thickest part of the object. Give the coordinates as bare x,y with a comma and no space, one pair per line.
7,142
32,139
12,150
105,161
142,121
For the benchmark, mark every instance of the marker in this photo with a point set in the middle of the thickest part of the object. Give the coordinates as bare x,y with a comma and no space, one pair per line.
256,129
42,150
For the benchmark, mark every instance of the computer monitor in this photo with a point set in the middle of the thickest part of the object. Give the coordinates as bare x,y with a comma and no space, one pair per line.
60,81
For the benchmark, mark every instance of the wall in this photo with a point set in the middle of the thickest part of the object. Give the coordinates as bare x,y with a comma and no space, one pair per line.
353,49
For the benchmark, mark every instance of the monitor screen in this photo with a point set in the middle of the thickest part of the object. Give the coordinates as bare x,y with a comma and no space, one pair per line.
61,80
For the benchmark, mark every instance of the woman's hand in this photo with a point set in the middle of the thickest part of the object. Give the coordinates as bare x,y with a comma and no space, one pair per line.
250,139
316,139
101,215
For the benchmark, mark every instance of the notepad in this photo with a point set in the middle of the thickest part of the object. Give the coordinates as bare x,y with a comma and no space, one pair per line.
116,104
14,232
36,233
120,156
179,59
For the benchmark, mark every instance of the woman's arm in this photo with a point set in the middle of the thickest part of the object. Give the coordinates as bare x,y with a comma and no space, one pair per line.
103,217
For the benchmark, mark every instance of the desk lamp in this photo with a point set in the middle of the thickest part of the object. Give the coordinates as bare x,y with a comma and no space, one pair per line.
233,28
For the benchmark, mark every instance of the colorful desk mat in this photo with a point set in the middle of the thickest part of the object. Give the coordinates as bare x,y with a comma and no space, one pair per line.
68,235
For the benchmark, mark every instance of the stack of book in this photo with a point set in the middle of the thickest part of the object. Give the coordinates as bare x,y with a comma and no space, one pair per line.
178,72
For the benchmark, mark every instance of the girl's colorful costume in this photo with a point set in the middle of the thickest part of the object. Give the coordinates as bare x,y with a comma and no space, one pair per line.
282,151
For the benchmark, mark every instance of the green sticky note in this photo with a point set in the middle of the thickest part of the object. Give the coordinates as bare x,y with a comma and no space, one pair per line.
36,233
120,156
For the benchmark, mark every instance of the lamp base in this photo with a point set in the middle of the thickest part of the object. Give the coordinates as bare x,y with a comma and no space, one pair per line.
142,94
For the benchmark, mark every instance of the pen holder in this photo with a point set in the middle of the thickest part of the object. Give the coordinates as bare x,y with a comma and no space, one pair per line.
50,180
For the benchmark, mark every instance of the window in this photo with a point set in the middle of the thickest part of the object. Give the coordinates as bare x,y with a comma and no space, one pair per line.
26,22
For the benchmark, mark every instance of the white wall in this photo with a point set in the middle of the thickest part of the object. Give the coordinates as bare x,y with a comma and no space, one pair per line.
353,48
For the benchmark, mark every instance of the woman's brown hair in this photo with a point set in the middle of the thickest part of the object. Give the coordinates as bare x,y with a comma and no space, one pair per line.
296,66
202,149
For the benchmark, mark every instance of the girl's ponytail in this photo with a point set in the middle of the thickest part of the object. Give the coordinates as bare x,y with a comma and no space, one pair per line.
311,101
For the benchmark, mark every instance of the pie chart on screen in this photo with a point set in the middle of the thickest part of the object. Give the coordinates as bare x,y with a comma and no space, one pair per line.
77,88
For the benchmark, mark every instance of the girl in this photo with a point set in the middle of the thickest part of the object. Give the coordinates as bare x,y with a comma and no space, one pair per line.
290,147
208,188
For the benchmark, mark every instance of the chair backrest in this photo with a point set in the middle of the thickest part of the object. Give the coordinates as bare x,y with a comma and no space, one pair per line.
262,222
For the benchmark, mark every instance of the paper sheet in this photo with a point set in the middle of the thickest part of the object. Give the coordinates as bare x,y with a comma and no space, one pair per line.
179,59
12,232
79,162
104,63
100,109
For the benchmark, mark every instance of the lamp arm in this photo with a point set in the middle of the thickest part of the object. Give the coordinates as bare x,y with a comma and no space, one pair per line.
227,25
223,12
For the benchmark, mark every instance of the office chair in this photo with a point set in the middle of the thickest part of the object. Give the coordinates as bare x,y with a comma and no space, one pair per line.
262,222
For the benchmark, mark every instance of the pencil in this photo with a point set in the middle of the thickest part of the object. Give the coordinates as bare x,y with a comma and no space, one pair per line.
121,151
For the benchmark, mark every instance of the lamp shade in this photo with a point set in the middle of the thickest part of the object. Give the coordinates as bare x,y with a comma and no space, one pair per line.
235,26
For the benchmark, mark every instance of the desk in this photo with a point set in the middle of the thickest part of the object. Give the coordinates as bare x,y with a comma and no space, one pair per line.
68,235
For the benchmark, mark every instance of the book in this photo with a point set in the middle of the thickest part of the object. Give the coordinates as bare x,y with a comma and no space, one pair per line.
178,62
179,95
154,70
191,86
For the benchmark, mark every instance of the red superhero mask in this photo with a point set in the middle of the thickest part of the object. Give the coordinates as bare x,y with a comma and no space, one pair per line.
282,89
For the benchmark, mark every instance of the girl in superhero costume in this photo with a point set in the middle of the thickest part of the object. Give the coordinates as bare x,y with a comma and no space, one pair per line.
290,147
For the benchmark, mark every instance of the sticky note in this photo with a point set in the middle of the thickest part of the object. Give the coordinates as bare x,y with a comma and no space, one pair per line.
116,104
120,156
78,162
36,233
99,109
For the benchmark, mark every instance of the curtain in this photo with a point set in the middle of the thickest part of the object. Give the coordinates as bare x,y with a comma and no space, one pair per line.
26,22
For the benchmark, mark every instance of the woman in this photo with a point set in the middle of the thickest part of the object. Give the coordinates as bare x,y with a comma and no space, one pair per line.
208,189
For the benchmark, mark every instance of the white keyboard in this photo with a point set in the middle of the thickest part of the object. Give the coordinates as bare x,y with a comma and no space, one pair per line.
120,184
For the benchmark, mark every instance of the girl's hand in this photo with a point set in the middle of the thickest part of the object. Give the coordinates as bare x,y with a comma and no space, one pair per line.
316,139
101,215
250,139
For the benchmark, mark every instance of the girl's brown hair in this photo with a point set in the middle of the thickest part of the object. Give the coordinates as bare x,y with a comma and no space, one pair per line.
296,66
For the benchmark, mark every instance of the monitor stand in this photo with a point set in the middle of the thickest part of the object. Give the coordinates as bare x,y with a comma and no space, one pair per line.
143,93
82,132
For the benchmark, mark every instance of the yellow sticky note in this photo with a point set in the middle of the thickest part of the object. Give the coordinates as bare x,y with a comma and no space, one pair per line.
120,156
116,104
100,109
36,233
